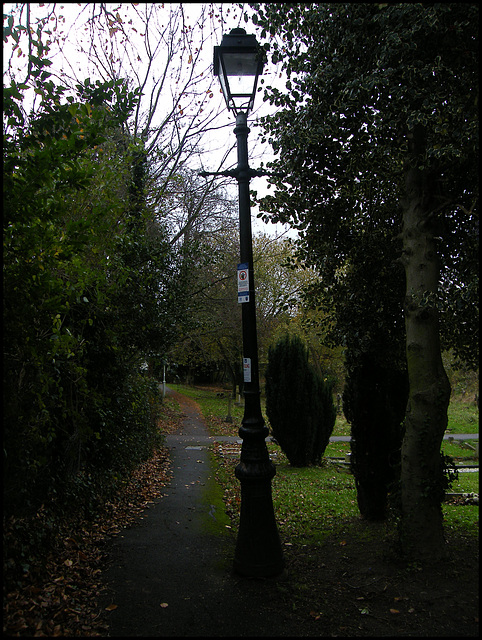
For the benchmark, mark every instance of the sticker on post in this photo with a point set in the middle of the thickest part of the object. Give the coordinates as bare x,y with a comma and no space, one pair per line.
247,369
243,282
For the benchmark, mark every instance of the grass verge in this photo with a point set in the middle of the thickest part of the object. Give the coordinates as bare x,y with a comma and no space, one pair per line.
315,502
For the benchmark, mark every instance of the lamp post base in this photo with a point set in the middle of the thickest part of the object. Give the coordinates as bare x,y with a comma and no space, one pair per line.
258,547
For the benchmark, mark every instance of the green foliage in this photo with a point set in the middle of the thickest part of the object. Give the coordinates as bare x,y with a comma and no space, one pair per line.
449,473
211,350
361,78
299,404
374,402
89,293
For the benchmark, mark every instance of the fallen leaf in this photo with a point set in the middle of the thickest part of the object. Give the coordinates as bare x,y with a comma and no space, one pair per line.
70,541
111,607
394,611
32,601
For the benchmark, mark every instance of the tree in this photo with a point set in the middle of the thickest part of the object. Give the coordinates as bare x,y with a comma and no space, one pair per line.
89,290
367,300
212,344
164,53
280,280
387,93
195,210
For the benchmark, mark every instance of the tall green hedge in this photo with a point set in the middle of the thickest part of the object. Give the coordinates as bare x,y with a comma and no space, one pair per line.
89,295
299,404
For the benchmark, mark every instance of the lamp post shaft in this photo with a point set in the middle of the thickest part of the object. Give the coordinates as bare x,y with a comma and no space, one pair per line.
250,340
258,548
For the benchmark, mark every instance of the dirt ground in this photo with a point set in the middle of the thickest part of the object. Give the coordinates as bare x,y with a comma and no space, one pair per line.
347,589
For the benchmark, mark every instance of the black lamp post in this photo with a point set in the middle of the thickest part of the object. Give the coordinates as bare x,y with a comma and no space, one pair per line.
238,62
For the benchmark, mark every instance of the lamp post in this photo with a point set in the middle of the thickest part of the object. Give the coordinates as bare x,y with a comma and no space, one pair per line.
238,62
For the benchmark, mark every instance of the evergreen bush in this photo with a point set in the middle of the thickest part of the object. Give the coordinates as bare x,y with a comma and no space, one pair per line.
374,403
299,404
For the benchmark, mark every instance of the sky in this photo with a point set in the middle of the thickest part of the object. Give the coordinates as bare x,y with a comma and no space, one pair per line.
73,45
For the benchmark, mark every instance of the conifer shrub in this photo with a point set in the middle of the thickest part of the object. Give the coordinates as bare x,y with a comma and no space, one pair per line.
299,404
374,403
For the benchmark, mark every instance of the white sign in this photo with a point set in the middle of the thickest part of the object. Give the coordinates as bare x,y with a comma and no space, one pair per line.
247,369
243,282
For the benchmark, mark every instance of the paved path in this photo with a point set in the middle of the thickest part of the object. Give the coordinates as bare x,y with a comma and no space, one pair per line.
181,554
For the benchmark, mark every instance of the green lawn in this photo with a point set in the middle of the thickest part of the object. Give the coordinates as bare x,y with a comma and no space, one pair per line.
313,502
463,417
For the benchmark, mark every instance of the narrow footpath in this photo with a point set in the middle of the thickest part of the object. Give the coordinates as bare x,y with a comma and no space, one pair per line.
171,573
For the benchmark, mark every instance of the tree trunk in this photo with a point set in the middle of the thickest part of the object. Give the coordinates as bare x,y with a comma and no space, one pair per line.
426,417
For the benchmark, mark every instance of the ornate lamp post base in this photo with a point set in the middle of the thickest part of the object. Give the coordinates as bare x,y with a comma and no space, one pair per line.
258,547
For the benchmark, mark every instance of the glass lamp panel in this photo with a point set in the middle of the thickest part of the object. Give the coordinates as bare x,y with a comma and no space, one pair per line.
240,70
240,64
241,103
242,85
224,88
